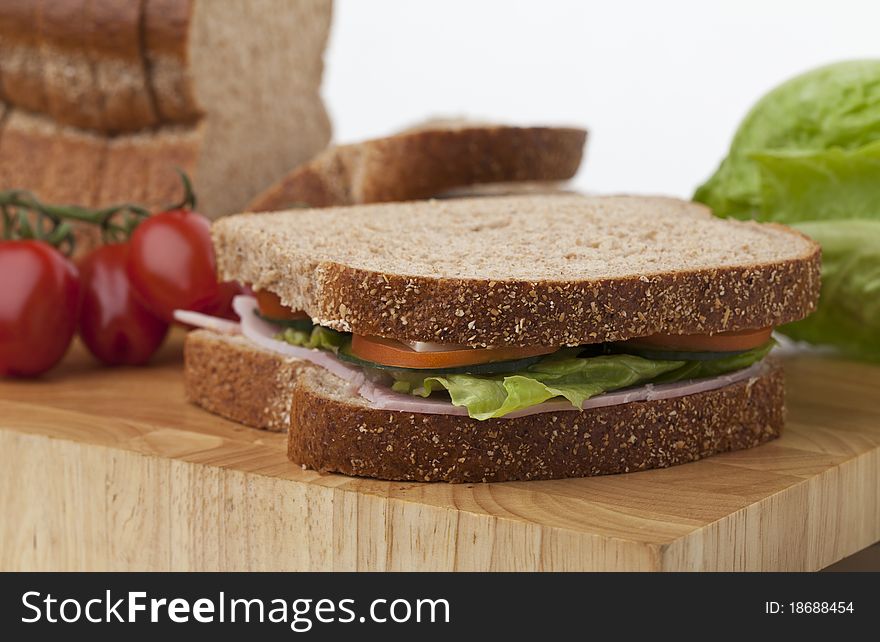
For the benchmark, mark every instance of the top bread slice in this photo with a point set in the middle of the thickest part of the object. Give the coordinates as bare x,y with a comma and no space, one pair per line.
426,161
524,270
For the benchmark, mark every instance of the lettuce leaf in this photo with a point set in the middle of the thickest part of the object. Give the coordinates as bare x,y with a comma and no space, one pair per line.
320,338
565,375
837,106
848,316
824,185
810,151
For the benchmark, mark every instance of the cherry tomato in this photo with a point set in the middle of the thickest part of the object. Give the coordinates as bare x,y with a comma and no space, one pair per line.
171,264
115,326
39,301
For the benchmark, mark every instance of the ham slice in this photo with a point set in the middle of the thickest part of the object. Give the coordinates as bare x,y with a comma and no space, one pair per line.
206,321
263,334
383,398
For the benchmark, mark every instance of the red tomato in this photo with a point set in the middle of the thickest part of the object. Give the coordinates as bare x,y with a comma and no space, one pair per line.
171,264
270,306
394,353
39,300
722,342
115,326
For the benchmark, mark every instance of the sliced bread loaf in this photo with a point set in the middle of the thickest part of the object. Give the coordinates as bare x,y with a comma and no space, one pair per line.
244,74
254,69
524,270
427,161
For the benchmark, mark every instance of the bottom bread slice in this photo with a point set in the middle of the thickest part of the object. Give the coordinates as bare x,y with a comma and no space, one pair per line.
236,379
331,429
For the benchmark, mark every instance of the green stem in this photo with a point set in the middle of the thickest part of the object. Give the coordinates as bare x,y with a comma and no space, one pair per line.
25,216
189,196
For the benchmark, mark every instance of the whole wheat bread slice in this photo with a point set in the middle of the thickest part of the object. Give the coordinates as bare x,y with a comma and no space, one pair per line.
524,270
234,378
332,430
253,68
94,72
427,161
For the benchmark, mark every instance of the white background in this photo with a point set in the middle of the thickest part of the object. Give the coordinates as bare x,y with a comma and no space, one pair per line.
660,85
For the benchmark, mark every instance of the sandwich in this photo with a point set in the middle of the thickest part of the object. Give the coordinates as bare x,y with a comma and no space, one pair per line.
503,338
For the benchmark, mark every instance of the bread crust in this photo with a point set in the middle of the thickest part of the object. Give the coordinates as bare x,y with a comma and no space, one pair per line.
67,165
332,434
66,33
166,25
83,62
425,162
120,66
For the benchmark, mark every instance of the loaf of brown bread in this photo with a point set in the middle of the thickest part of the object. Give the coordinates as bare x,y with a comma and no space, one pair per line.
236,82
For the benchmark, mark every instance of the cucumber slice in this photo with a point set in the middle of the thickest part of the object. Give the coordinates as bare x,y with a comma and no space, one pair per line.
672,355
297,324
498,367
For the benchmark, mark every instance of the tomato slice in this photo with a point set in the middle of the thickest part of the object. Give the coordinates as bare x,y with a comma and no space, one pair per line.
394,353
721,342
271,307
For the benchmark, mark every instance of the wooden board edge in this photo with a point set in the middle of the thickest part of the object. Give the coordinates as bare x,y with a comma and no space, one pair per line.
86,507
789,540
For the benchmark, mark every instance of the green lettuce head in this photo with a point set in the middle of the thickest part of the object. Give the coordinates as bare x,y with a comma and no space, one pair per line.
833,107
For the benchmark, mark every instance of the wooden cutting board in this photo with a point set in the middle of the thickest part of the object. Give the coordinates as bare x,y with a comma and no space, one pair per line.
110,469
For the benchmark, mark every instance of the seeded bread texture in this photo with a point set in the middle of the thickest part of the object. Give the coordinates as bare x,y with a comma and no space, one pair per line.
234,378
333,430
524,270
427,161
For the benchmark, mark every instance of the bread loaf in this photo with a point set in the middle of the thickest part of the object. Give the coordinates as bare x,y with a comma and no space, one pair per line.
229,87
